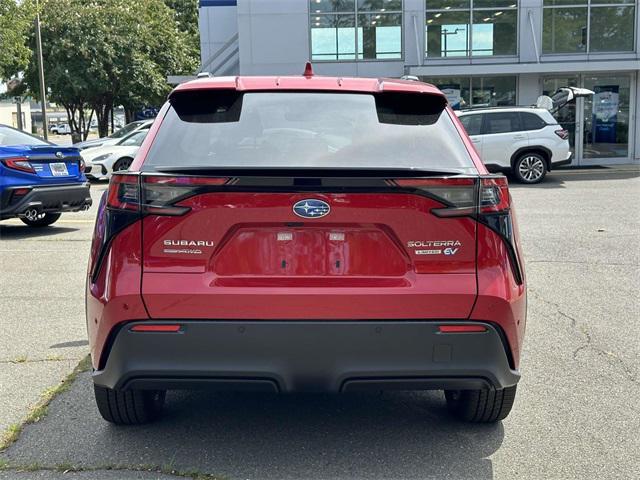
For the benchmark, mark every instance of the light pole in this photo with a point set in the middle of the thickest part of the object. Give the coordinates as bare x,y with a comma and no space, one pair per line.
43,92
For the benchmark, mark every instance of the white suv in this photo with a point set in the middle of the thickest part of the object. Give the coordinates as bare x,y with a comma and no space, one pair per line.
524,140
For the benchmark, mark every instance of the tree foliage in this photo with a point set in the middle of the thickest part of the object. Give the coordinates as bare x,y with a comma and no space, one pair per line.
101,53
15,21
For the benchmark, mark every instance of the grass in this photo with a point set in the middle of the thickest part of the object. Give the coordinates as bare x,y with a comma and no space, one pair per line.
40,409
69,467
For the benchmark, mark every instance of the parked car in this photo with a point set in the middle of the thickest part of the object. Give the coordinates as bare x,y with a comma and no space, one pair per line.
116,136
306,234
525,141
102,161
61,129
39,180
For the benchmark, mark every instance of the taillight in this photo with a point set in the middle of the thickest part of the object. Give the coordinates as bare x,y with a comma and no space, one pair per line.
486,199
459,194
494,212
124,192
19,163
160,193
82,165
563,134
494,195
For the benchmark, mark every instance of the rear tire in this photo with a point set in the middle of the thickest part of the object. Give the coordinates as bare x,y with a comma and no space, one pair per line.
530,168
44,221
481,406
129,407
122,164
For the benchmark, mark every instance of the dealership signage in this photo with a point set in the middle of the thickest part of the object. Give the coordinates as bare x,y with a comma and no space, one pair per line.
605,113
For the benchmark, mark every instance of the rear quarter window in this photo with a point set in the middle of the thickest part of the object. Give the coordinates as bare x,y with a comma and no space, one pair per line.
308,129
472,123
531,121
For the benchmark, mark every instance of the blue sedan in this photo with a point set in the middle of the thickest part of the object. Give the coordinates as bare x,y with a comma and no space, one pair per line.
39,180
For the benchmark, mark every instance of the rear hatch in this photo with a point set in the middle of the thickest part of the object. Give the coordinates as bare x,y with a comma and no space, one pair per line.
306,206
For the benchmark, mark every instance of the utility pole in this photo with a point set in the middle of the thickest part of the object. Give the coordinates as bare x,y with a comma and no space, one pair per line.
43,92
18,101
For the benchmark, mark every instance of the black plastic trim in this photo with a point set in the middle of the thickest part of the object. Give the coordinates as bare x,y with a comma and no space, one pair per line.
300,355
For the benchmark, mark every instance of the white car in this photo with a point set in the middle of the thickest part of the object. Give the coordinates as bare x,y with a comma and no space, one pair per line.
116,136
101,162
526,141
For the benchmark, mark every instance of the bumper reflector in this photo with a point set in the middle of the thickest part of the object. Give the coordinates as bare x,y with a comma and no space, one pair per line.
462,328
155,328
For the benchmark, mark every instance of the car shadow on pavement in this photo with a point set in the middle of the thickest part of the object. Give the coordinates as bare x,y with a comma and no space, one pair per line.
18,232
234,435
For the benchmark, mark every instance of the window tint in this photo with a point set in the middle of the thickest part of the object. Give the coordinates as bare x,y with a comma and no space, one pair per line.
134,140
531,121
502,122
324,130
128,128
472,123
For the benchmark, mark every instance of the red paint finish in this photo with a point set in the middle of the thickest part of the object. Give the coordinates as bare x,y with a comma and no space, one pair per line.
115,296
500,299
247,256
250,250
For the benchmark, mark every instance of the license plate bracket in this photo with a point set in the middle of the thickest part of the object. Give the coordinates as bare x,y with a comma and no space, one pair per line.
59,169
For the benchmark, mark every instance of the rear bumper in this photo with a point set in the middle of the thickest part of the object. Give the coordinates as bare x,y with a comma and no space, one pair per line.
294,356
96,171
47,199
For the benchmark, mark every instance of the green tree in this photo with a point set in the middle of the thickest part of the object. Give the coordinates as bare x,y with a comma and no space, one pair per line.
15,21
101,53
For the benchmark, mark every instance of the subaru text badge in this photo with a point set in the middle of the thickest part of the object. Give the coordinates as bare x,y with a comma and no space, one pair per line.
311,208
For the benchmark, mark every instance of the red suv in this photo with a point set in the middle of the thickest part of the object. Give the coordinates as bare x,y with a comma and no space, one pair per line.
307,233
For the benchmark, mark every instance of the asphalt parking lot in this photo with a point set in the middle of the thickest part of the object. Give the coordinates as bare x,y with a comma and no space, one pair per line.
576,414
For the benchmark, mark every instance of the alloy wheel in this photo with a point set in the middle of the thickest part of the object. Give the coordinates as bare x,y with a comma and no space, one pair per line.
531,168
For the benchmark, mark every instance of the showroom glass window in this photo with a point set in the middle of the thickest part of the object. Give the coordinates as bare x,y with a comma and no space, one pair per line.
585,26
355,29
467,92
465,28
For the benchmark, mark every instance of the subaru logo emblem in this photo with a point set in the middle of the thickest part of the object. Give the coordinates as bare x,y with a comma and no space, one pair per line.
59,154
311,208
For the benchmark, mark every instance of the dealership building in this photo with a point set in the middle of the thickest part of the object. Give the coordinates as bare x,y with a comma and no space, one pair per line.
479,52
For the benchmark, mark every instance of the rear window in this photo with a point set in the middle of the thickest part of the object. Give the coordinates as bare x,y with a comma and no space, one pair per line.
308,129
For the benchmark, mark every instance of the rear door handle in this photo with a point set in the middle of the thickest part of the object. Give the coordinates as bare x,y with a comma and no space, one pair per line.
519,137
475,140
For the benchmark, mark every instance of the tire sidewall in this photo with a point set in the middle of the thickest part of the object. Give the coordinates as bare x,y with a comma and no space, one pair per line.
516,168
120,161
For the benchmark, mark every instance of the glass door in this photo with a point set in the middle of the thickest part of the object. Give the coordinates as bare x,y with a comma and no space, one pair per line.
599,125
605,132
567,116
